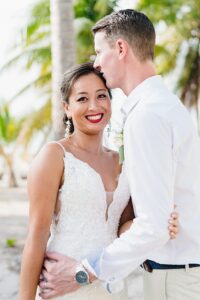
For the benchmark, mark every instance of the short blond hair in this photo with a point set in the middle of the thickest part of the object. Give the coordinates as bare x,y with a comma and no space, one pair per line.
132,26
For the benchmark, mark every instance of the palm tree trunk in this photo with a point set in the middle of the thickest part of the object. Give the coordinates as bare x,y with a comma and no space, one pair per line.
12,181
63,55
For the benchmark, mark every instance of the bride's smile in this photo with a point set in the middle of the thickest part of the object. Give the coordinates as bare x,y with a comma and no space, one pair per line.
89,104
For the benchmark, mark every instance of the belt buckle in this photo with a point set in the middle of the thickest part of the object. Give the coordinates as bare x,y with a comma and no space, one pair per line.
147,267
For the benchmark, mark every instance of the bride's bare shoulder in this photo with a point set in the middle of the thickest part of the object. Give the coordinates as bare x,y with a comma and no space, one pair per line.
113,154
59,146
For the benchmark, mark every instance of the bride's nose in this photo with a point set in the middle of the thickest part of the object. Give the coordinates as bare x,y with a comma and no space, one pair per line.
93,104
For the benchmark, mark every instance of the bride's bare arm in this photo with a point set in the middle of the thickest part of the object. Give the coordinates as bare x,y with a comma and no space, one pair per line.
126,219
43,184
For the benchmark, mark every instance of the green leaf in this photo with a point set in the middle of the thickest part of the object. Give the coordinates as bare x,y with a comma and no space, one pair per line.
11,243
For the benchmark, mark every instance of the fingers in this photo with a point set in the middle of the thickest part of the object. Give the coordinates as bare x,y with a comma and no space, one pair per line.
174,219
173,235
54,256
59,258
46,277
173,231
173,225
46,294
48,264
174,215
49,293
174,222
45,285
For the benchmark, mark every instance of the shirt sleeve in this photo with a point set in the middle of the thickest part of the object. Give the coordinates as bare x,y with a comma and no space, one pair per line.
148,142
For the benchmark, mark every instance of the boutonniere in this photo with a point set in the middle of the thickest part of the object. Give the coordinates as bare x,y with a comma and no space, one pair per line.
119,142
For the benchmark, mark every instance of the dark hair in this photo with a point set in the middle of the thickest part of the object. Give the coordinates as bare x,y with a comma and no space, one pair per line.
134,27
70,77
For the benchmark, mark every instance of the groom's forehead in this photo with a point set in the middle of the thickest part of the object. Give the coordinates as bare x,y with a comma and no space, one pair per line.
99,37
100,41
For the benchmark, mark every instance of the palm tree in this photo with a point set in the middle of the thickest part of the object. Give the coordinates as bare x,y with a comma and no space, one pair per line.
9,130
15,133
179,47
63,55
35,45
87,13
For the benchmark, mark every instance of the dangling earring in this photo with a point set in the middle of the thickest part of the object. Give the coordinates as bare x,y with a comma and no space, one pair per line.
108,129
68,128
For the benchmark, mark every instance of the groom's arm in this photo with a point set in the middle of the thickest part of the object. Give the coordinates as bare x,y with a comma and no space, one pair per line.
150,170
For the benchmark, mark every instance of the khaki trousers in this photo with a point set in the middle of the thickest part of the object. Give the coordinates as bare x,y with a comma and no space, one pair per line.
178,284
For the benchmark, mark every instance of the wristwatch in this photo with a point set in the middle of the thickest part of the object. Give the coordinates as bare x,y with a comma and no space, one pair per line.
82,276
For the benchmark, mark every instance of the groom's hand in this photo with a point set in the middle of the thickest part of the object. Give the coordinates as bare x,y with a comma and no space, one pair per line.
58,275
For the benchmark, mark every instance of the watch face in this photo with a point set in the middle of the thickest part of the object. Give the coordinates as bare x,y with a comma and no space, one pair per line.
82,277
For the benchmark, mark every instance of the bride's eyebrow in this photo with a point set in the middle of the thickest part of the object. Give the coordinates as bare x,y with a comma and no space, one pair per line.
82,93
101,90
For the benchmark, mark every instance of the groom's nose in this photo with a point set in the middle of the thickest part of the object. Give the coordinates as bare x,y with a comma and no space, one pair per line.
96,64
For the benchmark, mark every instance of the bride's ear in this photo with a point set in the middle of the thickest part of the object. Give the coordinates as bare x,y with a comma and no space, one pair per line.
66,109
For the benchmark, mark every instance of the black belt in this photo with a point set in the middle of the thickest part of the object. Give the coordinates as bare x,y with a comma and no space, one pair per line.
150,265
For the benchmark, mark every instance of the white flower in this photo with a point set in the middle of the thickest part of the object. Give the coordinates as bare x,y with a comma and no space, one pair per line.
119,142
118,139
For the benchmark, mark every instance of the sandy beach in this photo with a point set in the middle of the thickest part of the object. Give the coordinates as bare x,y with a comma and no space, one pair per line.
13,228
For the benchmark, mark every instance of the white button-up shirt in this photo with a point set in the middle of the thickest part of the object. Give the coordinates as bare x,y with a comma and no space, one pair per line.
162,160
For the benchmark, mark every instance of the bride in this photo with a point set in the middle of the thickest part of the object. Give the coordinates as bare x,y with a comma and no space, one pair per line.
77,189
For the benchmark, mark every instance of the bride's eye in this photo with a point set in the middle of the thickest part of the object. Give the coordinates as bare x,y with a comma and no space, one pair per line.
82,99
102,96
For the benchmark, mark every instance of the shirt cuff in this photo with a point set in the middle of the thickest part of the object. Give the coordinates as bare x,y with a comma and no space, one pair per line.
88,267
114,287
92,262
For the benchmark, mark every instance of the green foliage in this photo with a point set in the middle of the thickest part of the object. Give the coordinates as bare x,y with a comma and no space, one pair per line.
35,50
87,13
84,39
35,46
35,122
38,26
178,23
9,126
93,9
11,243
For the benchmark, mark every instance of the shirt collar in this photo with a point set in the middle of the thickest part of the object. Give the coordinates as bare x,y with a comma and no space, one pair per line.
140,92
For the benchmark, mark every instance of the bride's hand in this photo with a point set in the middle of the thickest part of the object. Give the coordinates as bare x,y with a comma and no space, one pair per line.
173,225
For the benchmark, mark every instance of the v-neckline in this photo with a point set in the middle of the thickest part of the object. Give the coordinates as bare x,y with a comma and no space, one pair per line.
107,207
99,176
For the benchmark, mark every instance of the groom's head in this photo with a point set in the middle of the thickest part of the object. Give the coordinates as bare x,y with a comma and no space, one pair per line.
124,42
132,26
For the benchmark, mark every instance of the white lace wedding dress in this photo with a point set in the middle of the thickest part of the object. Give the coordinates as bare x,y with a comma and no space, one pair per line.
86,221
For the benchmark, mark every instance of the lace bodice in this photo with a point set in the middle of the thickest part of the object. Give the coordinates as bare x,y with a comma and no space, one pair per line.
85,222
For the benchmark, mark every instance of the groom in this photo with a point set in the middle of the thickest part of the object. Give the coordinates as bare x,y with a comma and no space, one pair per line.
162,153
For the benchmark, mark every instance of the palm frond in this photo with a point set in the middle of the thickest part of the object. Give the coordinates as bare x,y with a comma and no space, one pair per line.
35,122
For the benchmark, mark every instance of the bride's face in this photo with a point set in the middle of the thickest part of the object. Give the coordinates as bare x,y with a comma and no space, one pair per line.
89,104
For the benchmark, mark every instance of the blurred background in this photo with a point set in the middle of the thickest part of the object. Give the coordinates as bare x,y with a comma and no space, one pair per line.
40,39
32,61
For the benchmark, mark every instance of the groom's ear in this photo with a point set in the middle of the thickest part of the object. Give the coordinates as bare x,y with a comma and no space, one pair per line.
122,47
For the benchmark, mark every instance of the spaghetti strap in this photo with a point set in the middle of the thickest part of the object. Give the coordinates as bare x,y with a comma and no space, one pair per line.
59,145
